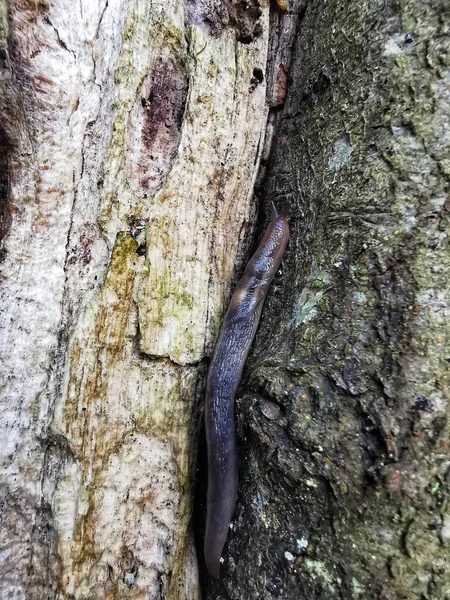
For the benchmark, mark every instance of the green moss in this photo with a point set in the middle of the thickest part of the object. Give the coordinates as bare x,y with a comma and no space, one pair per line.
103,324
129,28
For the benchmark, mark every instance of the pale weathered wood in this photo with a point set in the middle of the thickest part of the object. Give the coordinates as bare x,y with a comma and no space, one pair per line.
133,133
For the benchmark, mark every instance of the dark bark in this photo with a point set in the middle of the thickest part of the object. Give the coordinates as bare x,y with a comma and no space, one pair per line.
344,438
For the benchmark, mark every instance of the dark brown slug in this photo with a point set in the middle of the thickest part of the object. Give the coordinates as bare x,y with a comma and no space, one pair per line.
235,338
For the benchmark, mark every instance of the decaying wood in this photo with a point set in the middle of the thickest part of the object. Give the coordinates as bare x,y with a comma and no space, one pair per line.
132,135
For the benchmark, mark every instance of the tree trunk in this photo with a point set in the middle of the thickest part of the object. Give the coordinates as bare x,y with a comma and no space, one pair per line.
344,434
132,137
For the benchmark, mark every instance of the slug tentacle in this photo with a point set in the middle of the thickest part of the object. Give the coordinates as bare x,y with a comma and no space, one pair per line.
232,347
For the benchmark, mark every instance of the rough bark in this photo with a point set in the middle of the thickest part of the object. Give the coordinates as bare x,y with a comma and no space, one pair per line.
132,134
344,431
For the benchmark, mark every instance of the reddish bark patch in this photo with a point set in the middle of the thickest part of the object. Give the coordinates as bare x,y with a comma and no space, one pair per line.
81,252
164,105
161,108
31,9
280,92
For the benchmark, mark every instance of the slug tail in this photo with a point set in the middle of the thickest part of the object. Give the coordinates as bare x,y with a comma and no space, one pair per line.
212,560
222,495
215,539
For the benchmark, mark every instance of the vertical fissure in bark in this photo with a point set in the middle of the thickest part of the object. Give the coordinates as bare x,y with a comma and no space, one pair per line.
5,216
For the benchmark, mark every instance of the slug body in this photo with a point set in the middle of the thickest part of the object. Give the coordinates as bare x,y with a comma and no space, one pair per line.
232,347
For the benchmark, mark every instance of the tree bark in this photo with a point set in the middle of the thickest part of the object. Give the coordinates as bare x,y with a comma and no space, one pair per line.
132,135
132,138
344,432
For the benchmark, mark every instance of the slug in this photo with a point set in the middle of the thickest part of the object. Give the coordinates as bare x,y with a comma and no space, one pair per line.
232,347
